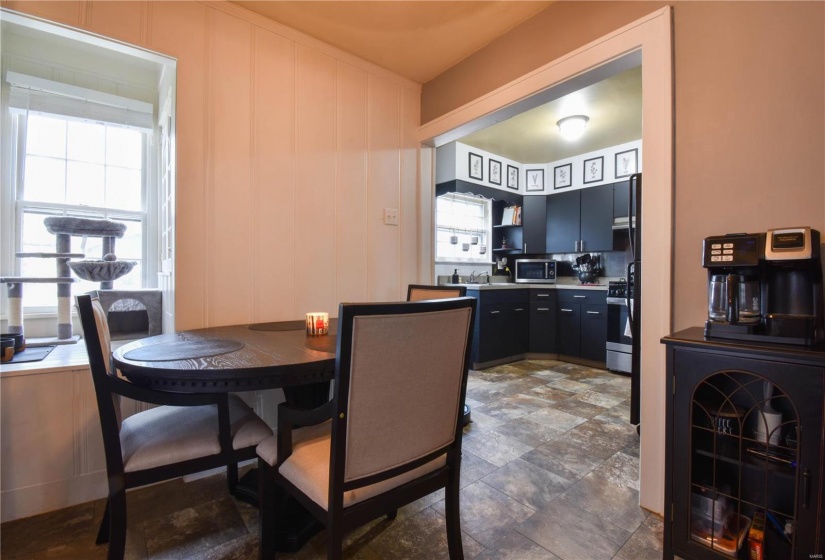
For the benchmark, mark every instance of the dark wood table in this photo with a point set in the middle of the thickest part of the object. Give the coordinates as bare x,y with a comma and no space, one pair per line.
241,358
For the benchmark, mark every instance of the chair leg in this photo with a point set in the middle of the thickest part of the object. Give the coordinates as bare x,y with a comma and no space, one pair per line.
117,525
335,542
232,477
392,514
103,532
454,545
267,514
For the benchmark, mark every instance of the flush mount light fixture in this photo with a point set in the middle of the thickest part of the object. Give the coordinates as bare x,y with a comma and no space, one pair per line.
572,127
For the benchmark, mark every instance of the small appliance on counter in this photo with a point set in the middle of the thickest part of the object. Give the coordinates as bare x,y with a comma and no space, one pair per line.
765,286
536,271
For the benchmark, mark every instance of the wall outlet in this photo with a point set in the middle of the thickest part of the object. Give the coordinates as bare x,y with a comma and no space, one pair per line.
390,216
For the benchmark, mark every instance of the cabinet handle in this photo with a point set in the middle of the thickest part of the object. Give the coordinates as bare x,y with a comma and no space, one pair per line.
576,246
581,245
566,310
525,247
519,309
580,297
494,312
542,309
542,295
593,313
806,483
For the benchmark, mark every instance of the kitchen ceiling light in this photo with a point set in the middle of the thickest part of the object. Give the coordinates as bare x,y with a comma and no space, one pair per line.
572,127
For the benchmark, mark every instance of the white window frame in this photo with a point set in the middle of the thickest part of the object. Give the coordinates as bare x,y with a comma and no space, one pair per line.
488,230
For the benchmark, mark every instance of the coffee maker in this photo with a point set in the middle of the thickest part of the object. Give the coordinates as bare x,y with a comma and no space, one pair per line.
765,286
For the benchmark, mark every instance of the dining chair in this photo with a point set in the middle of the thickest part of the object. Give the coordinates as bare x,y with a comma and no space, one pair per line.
188,433
417,292
391,433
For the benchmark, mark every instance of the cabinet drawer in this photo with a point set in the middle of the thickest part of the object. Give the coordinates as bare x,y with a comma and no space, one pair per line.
486,297
543,296
598,297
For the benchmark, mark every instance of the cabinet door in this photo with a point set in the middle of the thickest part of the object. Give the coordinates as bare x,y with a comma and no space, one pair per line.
719,457
569,326
594,332
621,196
563,224
493,339
534,224
597,218
518,329
543,327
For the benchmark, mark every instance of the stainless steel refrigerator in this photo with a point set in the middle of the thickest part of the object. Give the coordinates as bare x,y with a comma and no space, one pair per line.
634,292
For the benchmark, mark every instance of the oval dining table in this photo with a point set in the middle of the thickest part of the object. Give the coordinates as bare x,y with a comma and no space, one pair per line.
235,359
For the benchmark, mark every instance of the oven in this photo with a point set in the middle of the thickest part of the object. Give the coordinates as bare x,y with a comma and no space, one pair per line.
619,343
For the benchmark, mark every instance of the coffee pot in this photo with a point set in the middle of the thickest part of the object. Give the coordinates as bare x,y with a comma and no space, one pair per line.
734,299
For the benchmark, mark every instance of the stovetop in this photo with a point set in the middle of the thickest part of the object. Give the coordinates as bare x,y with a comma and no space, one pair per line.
618,288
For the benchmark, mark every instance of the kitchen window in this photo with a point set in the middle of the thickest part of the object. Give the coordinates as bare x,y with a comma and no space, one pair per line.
463,228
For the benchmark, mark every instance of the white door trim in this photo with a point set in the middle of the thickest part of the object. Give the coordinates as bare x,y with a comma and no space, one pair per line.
652,35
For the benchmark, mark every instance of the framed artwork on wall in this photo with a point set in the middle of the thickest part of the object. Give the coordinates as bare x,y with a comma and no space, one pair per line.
626,163
535,180
512,177
593,170
476,167
494,171
562,176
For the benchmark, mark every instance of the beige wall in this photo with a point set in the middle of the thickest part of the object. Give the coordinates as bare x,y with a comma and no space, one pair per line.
749,106
287,152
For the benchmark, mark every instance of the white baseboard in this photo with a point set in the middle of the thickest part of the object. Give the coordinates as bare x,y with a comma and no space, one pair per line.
41,498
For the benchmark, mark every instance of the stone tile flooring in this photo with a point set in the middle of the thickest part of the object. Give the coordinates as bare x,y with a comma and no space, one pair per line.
549,471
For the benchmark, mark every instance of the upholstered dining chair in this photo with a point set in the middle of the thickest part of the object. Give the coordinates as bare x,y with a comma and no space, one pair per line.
189,433
418,292
391,433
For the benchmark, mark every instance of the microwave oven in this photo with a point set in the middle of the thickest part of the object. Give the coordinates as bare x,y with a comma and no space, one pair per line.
538,271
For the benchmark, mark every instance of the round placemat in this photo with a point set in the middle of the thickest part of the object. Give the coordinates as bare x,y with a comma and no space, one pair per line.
279,326
183,350
324,343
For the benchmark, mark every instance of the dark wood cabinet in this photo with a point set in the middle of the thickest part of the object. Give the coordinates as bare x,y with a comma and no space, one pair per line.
744,425
582,324
580,221
502,324
621,195
534,224
543,321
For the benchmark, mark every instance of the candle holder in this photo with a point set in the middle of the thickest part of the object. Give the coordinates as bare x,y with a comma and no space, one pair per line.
317,324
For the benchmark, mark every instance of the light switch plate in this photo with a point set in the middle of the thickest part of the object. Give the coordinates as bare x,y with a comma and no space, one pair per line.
391,216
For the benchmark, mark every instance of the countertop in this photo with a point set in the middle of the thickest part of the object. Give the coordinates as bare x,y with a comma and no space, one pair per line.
566,283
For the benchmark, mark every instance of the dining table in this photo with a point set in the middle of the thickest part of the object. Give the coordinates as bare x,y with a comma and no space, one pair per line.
237,358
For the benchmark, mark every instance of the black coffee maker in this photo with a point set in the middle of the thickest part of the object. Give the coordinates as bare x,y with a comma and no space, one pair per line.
765,286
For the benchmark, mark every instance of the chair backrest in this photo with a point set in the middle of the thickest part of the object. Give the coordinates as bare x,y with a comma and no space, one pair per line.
400,383
98,349
418,292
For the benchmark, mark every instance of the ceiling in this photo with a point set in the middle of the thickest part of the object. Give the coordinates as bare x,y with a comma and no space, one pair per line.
614,106
421,39
417,40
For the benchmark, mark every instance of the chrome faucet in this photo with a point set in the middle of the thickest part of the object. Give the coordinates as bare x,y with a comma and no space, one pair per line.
473,279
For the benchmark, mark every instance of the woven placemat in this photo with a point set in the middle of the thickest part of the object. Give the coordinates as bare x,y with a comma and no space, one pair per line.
279,326
183,350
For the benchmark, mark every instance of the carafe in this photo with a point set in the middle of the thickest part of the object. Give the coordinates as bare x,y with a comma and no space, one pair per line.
750,300
717,298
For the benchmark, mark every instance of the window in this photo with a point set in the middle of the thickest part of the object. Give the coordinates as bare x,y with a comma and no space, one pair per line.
74,167
463,228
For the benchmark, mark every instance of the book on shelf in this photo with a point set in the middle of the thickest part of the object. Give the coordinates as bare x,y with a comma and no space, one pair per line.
517,217
507,216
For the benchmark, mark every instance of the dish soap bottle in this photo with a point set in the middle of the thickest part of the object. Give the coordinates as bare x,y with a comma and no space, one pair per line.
455,276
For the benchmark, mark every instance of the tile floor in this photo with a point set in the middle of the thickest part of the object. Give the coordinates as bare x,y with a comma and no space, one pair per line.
549,471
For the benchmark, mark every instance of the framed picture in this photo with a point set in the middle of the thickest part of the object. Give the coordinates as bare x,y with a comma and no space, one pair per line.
494,171
626,163
476,167
562,176
593,170
535,180
512,177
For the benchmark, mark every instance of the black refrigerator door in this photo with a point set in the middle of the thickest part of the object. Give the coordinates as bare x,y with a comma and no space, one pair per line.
634,275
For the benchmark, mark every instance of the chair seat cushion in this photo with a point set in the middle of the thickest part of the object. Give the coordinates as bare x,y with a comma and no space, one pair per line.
170,434
308,466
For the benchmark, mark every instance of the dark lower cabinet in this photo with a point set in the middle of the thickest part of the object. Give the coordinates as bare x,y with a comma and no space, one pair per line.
582,324
502,325
744,439
543,321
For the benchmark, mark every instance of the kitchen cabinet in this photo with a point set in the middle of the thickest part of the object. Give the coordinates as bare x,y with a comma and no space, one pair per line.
543,321
534,220
621,195
719,471
580,221
502,324
582,324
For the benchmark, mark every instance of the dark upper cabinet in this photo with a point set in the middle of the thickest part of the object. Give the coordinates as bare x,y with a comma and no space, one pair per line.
580,221
563,222
597,219
534,220
621,194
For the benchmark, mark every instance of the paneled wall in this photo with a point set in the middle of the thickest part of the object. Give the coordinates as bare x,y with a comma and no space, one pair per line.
288,150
